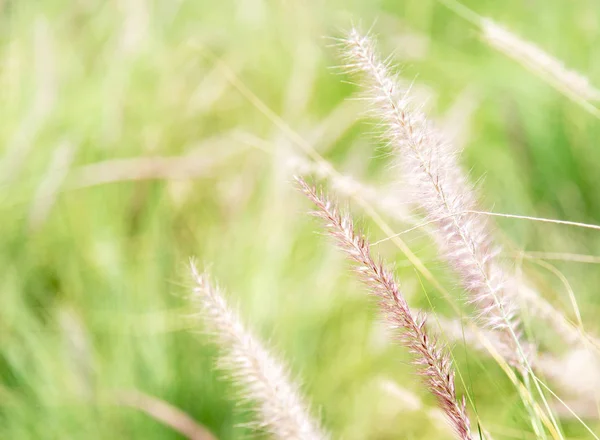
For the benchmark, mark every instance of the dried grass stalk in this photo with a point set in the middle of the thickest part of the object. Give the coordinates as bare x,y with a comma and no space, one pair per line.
165,413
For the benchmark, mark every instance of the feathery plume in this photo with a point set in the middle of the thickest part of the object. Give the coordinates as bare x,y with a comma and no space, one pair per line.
534,58
432,359
432,168
263,380
388,202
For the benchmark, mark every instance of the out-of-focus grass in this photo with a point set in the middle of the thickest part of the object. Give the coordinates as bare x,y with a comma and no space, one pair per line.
93,278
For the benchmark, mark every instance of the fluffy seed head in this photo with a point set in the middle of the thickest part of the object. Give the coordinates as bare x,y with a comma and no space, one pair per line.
431,358
440,187
536,59
262,379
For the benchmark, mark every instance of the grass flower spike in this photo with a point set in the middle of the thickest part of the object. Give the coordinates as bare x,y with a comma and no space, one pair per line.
263,380
441,188
540,62
433,361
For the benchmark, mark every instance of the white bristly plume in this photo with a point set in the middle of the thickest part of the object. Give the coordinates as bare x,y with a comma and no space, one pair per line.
536,59
432,359
440,187
263,380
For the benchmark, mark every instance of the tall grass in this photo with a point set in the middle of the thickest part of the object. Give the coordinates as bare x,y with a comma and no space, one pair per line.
127,148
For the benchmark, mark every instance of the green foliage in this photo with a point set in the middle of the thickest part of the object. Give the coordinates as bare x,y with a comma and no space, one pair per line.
93,277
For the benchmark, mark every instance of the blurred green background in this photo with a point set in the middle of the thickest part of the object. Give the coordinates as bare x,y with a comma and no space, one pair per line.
93,258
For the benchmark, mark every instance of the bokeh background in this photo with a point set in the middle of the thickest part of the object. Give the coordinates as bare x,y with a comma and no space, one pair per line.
127,149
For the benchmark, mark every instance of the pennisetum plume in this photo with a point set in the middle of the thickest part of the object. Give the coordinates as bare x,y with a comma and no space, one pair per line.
262,379
432,359
539,61
441,189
